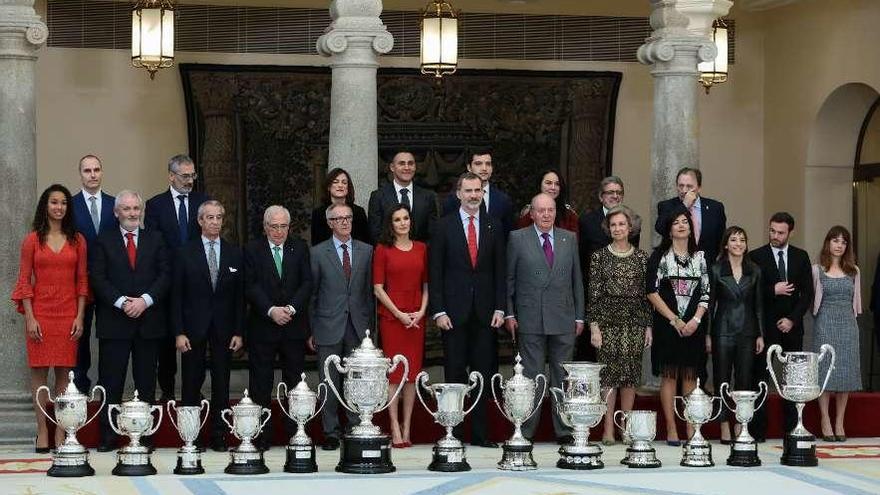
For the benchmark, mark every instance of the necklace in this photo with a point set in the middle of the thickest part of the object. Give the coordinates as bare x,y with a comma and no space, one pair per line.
621,254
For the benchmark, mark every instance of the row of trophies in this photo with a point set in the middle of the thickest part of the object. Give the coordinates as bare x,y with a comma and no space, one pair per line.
366,450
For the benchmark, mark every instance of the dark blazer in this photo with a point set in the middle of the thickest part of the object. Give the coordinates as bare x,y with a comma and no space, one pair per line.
800,273
161,216
360,228
83,219
500,206
111,277
736,308
424,204
264,289
454,286
196,307
712,226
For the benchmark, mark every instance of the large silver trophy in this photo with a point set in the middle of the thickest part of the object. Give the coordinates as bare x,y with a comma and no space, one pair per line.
71,459
135,420
365,449
744,449
641,428
580,406
519,405
800,384
246,425
449,452
302,407
189,423
697,411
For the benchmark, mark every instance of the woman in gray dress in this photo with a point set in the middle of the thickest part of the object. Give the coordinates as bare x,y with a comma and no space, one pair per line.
837,303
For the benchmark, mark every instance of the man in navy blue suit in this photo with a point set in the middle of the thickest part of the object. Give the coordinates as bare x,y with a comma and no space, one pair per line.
174,213
707,215
92,215
495,200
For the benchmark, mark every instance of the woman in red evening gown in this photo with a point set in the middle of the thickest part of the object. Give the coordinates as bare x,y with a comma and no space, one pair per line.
553,185
400,282
51,293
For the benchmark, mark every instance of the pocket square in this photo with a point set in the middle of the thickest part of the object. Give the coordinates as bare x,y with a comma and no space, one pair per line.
232,270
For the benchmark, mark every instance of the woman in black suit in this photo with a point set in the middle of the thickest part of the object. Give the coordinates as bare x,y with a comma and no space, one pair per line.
339,189
736,314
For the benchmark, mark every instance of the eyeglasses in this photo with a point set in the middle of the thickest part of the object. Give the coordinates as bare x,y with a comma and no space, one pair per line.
613,192
279,226
345,219
192,176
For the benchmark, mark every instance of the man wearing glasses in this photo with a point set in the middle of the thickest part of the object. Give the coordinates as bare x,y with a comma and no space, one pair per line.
173,213
278,286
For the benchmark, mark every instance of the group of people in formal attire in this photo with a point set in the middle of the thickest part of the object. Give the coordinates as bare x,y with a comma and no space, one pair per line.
161,280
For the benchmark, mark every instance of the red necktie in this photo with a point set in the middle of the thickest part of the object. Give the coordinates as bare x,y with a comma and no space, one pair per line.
131,248
472,241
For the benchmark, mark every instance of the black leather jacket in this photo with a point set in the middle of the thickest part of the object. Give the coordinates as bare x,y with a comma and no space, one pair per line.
736,308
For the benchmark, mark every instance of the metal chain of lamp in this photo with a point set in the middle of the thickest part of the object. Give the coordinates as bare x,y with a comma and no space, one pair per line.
715,71
152,35
439,54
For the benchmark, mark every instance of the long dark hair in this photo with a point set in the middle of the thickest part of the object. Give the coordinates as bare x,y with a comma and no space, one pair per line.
41,216
666,226
331,176
562,199
733,229
386,236
848,260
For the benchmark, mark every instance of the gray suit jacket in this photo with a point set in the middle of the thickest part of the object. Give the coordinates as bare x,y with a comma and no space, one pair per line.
334,298
544,300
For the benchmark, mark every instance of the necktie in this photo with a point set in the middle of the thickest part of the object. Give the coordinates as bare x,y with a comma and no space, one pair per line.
276,253
404,198
131,249
695,220
182,219
548,249
472,240
781,265
346,262
486,197
93,211
212,263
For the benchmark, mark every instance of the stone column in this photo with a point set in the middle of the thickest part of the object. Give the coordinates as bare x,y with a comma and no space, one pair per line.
21,34
354,40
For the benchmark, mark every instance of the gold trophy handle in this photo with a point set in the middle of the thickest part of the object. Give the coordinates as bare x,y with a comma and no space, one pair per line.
495,396
158,421
342,371
110,409
48,396
279,395
475,377
103,402
826,348
207,407
540,397
777,349
396,360
422,381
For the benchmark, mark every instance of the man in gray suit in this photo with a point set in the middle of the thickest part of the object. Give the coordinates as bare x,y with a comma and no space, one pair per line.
342,306
545,298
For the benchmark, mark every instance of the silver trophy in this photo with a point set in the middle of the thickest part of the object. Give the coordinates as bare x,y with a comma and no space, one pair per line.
189,423
744,449
449,452
697,411
135,420
800,377
641,428
71,459
246,425
302,407
519,406
365,449
580,406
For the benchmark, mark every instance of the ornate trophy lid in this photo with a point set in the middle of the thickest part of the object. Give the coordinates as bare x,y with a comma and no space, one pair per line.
367,352
135,403
302,388
246,402
71,392
518,377
698,394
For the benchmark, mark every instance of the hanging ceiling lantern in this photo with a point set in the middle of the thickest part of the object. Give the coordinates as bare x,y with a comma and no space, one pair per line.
439,39
715,71
152,35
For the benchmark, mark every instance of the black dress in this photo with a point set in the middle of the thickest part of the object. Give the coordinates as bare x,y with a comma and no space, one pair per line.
360,229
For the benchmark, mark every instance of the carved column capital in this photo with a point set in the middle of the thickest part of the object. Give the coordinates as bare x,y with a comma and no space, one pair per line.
682,35
356,35
22,32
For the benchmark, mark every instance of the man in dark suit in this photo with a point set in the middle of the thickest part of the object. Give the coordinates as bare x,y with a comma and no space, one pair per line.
92,215
130,276
467,292
278,286
173,213
402,190
496,201
708,215
207,312
342,305
788,292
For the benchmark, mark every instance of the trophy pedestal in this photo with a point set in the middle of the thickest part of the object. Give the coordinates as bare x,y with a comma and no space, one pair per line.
697,455
246,462
189,461
365,455
517,458
300,459
640,458
70,465
744,454
134,462
449,460
580,457
799,450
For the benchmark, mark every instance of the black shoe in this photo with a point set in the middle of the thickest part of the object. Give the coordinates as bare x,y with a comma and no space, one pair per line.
726,442
330,443
219,445
760,439
40,450
564,439
488,444
107,446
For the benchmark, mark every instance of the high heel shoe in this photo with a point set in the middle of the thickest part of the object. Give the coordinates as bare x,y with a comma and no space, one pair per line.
40,450
400,445
407,444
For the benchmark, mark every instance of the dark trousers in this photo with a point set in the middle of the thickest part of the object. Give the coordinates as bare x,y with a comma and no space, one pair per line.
113,366
472,346
535,350
330,413
84,353
261,358
167,365
192,375
791,342
733,355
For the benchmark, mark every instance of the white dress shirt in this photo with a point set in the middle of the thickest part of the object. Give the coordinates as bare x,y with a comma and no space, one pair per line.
410,188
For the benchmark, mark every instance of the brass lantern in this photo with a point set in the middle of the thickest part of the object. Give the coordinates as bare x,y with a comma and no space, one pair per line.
439,54
152,35
715,71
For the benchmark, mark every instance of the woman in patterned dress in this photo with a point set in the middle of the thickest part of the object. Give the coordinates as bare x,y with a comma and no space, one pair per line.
837,302
677,283
620,317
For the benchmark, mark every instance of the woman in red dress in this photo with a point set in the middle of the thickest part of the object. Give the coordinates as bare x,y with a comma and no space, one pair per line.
400,282
51,293
553,185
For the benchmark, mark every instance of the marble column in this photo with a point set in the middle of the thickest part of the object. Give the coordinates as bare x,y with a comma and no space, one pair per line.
353,41
21,34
